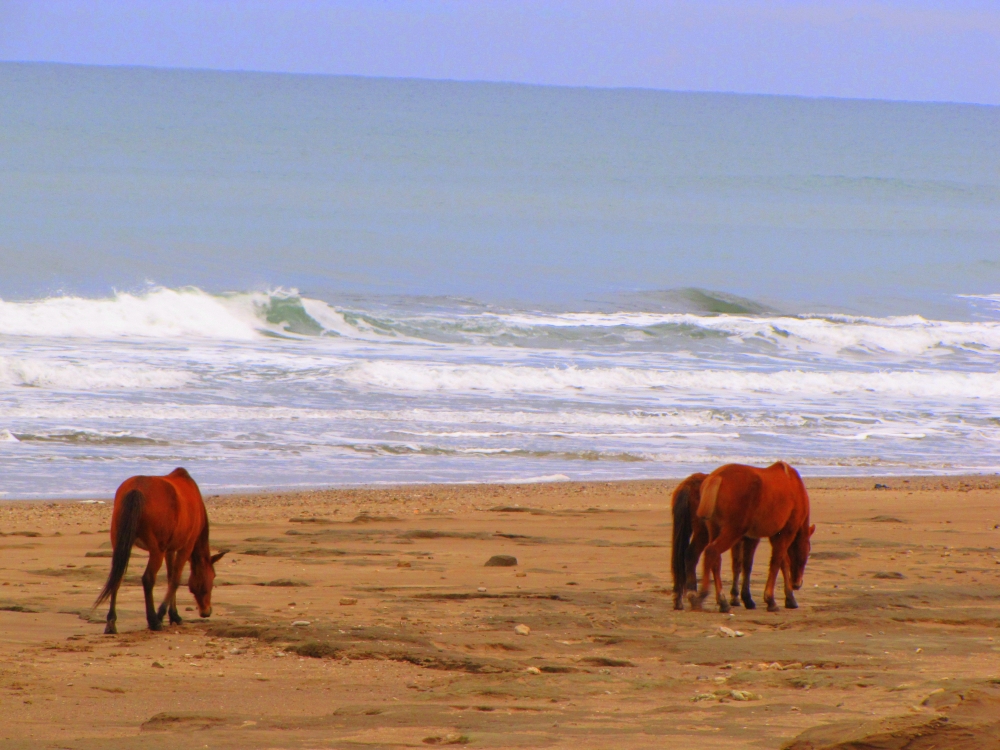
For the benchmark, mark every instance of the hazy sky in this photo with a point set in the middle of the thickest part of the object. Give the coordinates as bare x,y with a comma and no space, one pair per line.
943,50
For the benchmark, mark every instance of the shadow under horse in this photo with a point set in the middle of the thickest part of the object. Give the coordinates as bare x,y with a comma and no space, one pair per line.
165,516
690,536
739,502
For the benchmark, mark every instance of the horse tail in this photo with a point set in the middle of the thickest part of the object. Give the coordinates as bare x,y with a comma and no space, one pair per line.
682,534
128,529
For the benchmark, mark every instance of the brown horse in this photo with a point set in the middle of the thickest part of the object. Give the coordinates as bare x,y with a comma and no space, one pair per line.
690,538
165,516
743,501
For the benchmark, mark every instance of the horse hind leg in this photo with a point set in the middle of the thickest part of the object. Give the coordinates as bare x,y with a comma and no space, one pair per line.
169,603
749,548
713,568
737,554
112,627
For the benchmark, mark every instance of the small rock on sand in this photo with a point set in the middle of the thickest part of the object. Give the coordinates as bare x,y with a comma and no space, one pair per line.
729,632
501,561
301,624
522,629
889,575
347,601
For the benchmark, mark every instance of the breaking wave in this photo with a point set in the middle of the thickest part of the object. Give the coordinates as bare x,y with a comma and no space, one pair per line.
247,316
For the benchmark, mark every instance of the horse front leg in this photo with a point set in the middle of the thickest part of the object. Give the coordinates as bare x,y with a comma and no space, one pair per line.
779,551
737,560
148,581
162,610
749,549
786,574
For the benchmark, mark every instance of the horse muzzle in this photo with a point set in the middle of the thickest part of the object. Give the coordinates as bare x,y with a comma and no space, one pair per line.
205,612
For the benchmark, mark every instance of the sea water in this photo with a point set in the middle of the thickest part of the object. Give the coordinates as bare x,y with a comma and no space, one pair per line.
300,281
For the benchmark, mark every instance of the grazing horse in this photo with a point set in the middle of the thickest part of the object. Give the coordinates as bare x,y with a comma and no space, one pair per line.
743,501
690,538
165,516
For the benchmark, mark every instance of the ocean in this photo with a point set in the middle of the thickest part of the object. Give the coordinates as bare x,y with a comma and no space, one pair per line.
286,281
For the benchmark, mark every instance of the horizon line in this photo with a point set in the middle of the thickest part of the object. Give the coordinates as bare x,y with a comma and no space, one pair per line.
224,71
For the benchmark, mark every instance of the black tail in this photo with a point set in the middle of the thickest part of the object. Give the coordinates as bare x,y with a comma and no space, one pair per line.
128,528
682,535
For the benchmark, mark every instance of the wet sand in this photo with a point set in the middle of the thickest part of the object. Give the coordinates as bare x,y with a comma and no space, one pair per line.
410,639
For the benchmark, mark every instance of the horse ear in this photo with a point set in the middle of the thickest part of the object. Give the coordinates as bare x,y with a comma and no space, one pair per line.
812,529
216,557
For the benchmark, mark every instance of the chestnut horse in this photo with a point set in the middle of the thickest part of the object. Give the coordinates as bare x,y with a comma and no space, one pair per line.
165,516
740,501
690,538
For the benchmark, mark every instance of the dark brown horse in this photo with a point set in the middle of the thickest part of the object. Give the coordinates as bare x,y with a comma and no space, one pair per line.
165,516
740,501
690,538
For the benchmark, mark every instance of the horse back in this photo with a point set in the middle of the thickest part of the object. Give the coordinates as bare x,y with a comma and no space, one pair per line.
173,515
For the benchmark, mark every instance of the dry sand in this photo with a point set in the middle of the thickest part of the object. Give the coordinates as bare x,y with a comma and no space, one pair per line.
897,631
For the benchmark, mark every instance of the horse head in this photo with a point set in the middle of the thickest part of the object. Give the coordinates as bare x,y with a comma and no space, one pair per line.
798,554
201,581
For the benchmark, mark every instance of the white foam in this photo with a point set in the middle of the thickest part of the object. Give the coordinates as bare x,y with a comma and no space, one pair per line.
46,374
536,480
514,379
6,436
160,313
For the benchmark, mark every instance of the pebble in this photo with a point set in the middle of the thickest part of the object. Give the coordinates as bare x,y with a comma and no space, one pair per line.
157,665
730,633
522,629
301,624
533,670
481,589
347,601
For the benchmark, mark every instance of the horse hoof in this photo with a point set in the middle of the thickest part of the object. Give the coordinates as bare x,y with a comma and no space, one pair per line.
734,601
110,629
678,605
772,606
750,604
791,604
176,620
723,606
156,626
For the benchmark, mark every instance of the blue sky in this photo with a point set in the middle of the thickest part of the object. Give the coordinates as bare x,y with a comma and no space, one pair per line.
881,49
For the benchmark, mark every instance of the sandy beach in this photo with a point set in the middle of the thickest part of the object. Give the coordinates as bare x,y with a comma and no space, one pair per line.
368,618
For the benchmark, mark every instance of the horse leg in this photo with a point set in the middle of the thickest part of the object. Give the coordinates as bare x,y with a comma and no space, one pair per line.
162,610
175,582
713,566
737,554
112,627
699,538
749,548
779,551
148,581
786,574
